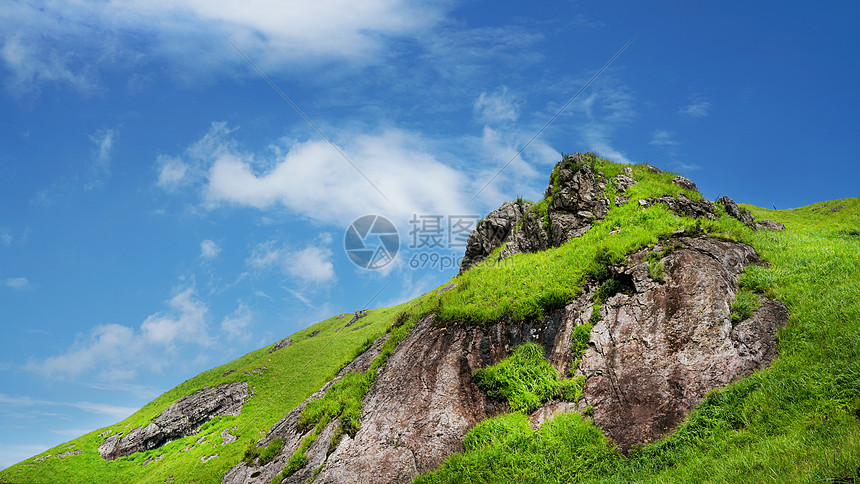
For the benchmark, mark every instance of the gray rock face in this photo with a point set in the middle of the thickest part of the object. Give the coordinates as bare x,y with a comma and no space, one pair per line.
281,345
419,408
492,232
739,213
685,183
683,206
182,418
769,225
655,353
577,200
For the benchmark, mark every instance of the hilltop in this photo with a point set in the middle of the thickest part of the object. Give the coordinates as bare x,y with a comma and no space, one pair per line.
620,329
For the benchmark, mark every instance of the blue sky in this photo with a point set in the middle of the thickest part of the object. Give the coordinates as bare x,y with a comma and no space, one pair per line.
163,210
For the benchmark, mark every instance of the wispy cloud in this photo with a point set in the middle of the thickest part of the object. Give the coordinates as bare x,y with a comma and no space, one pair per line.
311,179
96,408
100,165
19,283
663,137
235,325
118,352
209,249
51,43
698,108
496,107
309,264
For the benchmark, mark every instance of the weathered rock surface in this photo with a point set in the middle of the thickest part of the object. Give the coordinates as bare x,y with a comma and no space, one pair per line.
769,225
182,418
655,353
420,406
281,345
577,200
739,213
683,206
492,232
685,183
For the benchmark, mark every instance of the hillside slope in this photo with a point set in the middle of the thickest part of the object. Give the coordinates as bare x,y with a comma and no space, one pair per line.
560,278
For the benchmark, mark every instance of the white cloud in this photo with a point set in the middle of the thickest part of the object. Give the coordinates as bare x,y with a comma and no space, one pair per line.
100,166
314,181
697,109
186,323
96,408
496,107
236,324
172,172
117,352
64,42
209,249
663,137
311,264
20,283
33,64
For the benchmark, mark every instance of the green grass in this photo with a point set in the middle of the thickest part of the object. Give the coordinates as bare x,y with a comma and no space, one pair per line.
796,421
293,374
525,379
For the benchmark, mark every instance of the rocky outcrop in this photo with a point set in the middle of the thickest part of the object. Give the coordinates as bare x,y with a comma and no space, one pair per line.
421,405
182,418
656,352
281,345
683,206
653,355
733,210
746,217
492,231
573,200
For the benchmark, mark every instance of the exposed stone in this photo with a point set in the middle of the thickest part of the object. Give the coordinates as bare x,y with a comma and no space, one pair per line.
577,200
447,288
358,315
228,437
207,459
769,225
836,209
619,200
314,333
420,406
280,345
654,354
230,372
256,371
152,459
683,206
623,182
105,433
492,231
685,183
733,210
653,169
182,418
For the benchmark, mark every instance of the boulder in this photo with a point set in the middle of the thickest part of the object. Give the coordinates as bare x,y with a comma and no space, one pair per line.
182,418
685,183
739,213
492,232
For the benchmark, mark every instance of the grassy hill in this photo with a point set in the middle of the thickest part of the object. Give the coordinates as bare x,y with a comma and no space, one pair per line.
796,421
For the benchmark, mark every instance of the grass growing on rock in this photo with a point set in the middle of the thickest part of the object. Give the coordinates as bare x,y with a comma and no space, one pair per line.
796,421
